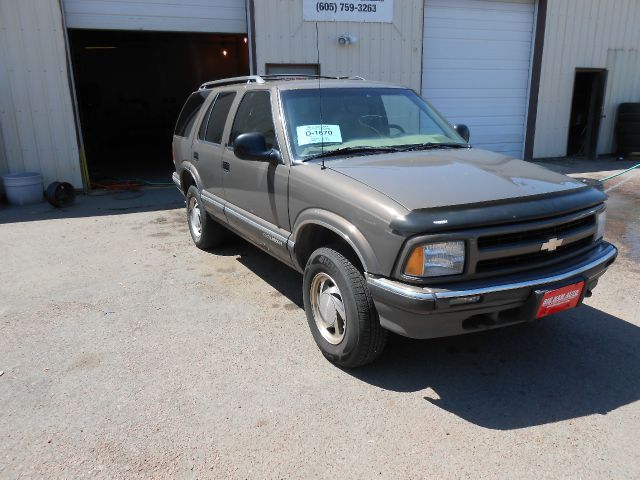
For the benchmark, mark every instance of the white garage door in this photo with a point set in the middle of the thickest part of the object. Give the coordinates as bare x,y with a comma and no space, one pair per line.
476,67
218,16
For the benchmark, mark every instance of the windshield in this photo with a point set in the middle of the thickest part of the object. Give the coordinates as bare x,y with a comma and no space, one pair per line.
322,120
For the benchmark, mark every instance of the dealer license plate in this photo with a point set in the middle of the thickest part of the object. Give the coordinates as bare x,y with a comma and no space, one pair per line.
560,299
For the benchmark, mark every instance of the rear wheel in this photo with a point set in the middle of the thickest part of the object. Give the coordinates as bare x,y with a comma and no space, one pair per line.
205,232
340,310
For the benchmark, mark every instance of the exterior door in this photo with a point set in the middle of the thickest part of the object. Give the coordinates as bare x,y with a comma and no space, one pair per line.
256,191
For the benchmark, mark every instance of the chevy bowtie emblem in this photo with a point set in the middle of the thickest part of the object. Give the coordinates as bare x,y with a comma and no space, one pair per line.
551,244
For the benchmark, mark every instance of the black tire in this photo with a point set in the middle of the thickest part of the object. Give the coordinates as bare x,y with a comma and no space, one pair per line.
208,233
363,339
629,108
628,118
632,128
628,143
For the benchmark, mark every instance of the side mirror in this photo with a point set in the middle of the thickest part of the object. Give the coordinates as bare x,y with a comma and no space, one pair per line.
463,131
253,146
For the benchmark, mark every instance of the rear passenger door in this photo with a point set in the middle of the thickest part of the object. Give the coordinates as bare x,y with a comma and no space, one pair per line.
208,149
256,191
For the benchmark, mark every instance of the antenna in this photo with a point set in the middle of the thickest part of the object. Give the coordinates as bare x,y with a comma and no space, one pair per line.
320,96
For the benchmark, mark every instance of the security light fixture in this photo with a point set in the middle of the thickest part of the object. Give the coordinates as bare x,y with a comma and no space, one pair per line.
347,39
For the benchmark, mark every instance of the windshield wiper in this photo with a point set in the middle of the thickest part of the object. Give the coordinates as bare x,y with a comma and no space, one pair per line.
347,150
433,146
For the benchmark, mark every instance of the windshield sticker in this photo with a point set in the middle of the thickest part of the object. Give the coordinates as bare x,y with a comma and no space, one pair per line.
310,134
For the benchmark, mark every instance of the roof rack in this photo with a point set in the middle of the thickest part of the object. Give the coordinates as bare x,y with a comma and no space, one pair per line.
271,77
296,76
232,81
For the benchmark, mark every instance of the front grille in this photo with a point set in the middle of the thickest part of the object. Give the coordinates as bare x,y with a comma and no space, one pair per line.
536,259
520,248
540,234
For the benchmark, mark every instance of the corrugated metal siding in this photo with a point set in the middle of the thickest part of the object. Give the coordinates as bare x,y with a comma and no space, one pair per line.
219,16
36,114
384,51
586,34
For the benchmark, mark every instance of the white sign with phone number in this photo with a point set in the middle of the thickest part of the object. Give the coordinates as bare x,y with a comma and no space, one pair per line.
310,134
380,11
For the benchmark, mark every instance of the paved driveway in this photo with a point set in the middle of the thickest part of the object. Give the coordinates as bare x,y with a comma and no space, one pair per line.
129,353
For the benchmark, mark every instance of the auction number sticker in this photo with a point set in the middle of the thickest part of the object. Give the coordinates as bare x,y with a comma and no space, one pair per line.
354,11
310,134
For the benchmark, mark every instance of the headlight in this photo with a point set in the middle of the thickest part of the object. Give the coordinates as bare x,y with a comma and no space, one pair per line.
600,223
436,260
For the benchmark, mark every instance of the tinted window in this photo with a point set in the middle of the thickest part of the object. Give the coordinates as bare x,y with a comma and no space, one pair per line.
254,115
189,112
218,117
205,121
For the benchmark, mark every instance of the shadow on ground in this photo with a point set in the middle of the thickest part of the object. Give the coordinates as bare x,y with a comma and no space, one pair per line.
570,365
576,363
99,203
282,278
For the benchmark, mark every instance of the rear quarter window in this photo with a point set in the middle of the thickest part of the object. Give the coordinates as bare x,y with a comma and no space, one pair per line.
189,112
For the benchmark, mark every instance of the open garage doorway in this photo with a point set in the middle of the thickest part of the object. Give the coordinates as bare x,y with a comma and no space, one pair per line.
131,87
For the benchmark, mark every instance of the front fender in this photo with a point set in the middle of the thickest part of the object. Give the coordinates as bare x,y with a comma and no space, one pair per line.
342,227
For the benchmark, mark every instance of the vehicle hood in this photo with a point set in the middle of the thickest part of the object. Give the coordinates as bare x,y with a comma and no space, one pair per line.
442,178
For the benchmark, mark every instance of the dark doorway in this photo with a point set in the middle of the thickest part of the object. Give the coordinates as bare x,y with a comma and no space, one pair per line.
586,112
131,87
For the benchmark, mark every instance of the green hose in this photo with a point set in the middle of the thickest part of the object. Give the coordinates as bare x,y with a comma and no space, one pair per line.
602,180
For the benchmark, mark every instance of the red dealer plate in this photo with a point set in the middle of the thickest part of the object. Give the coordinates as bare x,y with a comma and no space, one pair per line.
560,299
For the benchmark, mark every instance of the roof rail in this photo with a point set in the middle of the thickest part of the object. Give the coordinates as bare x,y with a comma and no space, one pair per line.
271,77
295,76
232,81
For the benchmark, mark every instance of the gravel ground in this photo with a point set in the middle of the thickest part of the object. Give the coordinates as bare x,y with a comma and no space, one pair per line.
129,353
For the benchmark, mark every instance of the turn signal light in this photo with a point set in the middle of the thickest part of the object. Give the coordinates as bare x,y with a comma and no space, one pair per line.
415,264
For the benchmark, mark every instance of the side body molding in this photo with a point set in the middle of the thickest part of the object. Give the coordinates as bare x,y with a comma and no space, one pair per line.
340,226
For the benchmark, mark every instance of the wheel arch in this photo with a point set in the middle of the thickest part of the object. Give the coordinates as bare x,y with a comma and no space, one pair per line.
189,176
317,228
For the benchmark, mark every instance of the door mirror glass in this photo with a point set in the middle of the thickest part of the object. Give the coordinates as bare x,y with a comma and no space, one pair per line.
252,146
463,131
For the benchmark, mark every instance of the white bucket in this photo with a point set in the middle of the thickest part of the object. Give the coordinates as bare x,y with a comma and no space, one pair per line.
23,188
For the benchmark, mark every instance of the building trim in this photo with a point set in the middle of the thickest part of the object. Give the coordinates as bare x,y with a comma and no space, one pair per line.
84,169
251,28
536,71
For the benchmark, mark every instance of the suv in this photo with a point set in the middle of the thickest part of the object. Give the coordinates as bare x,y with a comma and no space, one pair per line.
396,223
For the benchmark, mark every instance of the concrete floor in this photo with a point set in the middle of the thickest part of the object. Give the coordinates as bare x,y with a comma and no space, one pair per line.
129,353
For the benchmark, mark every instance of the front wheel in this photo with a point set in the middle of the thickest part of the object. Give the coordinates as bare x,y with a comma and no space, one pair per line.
340,310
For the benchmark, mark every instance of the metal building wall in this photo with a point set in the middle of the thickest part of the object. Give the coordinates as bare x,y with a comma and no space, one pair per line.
36,114
390,52
586,34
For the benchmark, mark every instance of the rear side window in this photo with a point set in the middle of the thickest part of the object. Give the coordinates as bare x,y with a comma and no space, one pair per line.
254,115
218,117
189,112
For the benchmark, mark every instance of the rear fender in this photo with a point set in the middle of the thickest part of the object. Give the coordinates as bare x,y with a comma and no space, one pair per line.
189,167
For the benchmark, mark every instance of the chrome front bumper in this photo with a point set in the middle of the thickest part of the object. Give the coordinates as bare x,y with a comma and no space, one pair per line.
423,312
